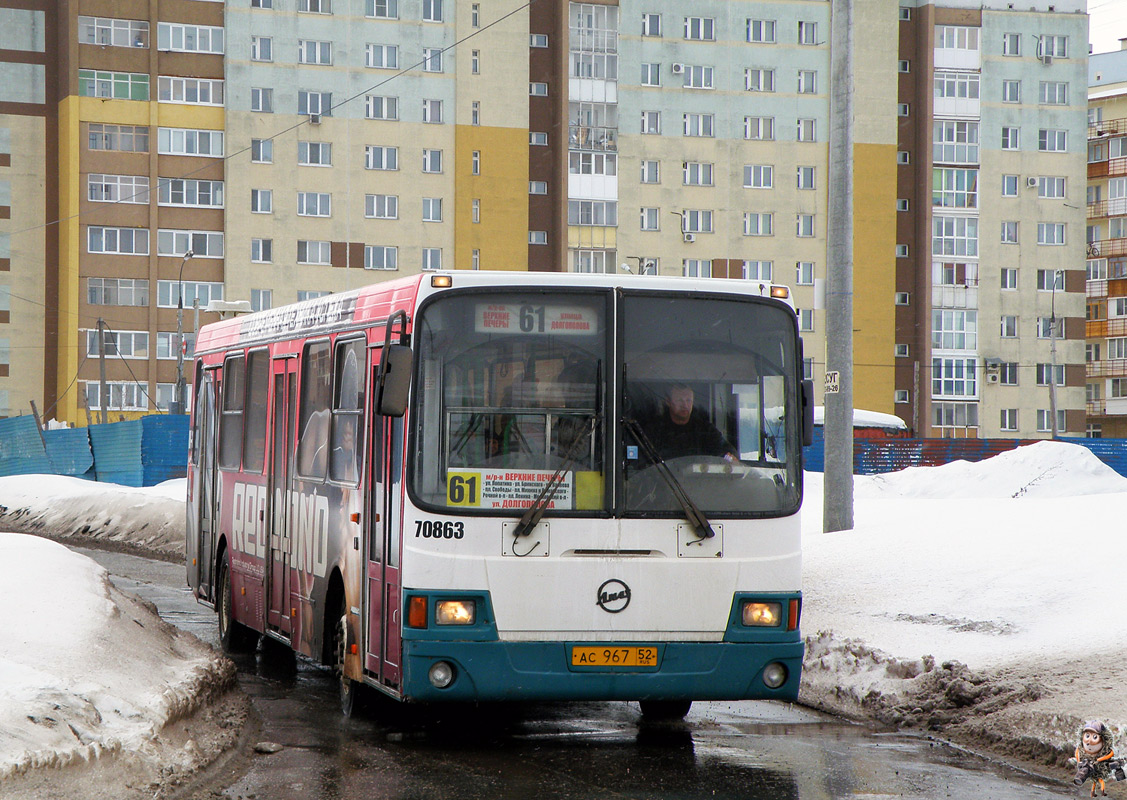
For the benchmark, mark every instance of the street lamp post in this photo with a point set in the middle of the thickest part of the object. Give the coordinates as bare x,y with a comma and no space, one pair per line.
180,400
1053,355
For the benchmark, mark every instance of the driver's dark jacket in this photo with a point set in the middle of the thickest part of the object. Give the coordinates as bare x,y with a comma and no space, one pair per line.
697,437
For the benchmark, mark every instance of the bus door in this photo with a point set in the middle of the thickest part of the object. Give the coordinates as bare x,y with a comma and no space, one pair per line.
205,481
385,441
281,466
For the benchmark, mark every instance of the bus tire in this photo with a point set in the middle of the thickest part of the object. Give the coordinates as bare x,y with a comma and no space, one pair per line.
664,710
349,689
234,636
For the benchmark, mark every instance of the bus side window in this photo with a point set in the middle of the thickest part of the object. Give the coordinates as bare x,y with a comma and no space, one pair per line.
258,379
197,416
348,412
316,391
231,420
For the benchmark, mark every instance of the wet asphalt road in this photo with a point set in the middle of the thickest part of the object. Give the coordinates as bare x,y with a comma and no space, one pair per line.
573,751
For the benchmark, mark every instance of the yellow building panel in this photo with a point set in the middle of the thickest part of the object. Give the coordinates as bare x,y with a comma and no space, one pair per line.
135,112
501,191
874,276
70,244
584,236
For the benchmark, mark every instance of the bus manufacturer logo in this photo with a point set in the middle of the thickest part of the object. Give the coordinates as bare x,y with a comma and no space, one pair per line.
613,596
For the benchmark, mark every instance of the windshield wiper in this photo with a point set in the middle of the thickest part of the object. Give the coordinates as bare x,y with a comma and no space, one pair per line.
695,516
532,516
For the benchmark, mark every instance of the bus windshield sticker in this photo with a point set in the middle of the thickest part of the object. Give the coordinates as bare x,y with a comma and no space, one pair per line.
506,488
534,319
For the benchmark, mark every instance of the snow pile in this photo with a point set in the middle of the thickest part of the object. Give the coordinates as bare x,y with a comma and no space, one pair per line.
149,519
968,595
86,671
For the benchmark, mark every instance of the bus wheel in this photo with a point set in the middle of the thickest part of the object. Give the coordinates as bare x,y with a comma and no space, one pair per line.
664,710
349,689
234,636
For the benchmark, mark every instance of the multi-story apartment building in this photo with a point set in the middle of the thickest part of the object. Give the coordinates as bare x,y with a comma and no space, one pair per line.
989,323
298,147
1106,349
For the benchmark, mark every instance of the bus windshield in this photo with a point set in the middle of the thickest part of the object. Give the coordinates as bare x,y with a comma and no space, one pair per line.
710,405
512,391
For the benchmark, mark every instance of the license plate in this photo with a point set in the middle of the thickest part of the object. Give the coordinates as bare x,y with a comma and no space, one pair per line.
614,656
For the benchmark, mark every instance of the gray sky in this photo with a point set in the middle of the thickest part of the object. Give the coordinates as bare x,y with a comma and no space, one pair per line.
1108,24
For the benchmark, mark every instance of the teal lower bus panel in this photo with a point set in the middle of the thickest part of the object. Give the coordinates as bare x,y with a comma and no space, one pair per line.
507,671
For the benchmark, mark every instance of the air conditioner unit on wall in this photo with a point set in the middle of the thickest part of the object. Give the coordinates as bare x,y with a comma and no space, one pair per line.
1046,59
992,377
678,69
689,238
1031,182
314,119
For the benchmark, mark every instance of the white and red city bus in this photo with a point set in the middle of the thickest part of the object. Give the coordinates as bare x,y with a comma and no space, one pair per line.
470,486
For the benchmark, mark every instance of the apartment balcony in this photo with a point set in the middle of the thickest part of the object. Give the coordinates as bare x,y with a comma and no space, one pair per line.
1107,208
1097,289
1107,248
1096,408
1111,168
1105,328
586,137
1109,127
1107,368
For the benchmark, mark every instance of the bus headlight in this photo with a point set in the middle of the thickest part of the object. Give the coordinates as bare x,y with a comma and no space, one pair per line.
454,612
762,615
441,674
774,675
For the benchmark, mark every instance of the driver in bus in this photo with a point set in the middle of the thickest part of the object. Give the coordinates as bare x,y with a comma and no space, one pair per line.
681,431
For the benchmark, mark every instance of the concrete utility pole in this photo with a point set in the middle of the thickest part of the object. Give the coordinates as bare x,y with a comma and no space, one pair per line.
179,403
1057,275
837,509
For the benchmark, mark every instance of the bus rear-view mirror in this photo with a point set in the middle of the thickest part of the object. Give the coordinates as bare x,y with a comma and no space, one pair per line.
395,380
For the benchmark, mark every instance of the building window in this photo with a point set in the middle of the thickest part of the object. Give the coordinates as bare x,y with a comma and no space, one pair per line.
314,204
759,176
759,79
261,250
538,40
262,100
1011,91
954,377
808,82
651,24
805,319
807,32
1009,327
112,292
1044,419
804,225
379,157
698,124
1011,138
382,9
902,298
758,270
1051,233
1008,420
651,74
168,293
432,209
123,138
203,244
1007,373
759,128
954,329
381,206
381,56
696,268
900,351
759,223
954,236
651,122
651,172
475,112
120,241
381,257
956,37
261,48
121,189
603,213
261,201
1009,185
804,273
432,258
1009,232
1011,44
905,14
315,154
314,102
537,237
903,109
187,142
261,299
697,77
902,204
696,221
955,142
901,251
475,210
113,32
903,66
957,85
377,107
432,12
315,6
537,138
695,173
432,59
180,38
954,188
432,111
761,31
432,161
537,187
314,252
1050,280
113,85
700,29
1053,93
189,91
1053,45
538,89
1052,141
1050,188
806,130
1008,278
475,162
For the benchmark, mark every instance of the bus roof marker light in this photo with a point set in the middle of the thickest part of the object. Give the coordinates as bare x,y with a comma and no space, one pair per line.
441,282
781,292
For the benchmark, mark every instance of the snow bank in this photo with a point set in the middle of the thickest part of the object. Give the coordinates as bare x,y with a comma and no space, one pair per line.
85,670
972,592
149,519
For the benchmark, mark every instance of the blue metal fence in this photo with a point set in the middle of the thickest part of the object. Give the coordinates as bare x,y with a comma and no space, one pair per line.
139,452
